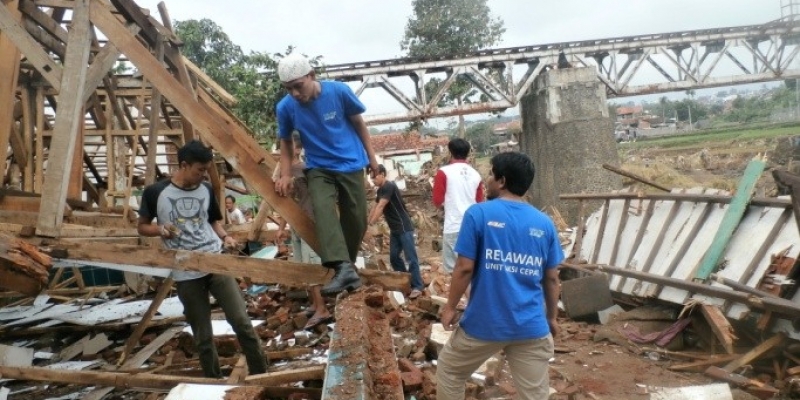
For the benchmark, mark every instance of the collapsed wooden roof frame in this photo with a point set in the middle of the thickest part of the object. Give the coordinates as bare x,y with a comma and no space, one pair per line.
61,64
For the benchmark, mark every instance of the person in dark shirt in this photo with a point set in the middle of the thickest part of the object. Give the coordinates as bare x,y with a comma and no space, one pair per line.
188,217
390,204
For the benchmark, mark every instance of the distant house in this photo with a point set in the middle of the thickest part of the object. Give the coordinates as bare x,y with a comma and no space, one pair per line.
404,153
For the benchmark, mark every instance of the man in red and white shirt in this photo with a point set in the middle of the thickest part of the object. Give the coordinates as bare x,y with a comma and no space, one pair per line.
455,187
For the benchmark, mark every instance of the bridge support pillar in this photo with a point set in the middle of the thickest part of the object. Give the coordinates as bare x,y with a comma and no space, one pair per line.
568,133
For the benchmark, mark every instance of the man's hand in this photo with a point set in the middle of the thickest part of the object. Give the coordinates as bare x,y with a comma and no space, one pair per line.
284,186
282,235
373,168
554,328
230,242
169,231
448,318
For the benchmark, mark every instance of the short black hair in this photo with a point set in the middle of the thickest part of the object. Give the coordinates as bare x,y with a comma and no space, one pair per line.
516,168
233,199
459,148
381,169
195,152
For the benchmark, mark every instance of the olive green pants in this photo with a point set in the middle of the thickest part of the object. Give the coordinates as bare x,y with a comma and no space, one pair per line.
340,213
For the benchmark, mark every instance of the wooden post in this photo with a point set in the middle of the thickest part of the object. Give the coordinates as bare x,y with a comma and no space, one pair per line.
155,120
75,188
39,152
28,107
9,73
54,193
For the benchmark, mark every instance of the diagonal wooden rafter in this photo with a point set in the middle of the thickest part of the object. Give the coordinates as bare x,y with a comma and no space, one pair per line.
225,135
27,45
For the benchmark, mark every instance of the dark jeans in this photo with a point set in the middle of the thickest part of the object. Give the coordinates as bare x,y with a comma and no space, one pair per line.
340,213
404,242
197,308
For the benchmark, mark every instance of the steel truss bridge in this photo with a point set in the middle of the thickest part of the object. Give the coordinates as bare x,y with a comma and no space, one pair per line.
681,60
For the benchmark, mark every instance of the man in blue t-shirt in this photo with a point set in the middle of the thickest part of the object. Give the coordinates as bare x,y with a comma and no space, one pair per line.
327,115
508,250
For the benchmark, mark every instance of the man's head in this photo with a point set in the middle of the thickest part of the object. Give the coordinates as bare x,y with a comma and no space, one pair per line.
194,161
297,77
512,172
459,148
230,202
380,176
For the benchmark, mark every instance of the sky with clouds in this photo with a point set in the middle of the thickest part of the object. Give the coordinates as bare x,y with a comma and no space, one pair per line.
345,31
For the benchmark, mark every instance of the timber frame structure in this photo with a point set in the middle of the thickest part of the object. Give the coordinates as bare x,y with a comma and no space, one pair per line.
81,140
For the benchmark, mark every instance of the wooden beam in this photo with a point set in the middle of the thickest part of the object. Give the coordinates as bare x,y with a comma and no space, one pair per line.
217,126
635,177
44,20
9,74
28,132
11,28
68,118
779,305
94,378
76,175
133,339
155,120
271,271
316,372
720,326
765,346
215,88
39,151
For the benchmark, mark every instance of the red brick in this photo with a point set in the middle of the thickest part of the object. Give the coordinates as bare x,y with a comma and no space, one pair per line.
406,365
412,381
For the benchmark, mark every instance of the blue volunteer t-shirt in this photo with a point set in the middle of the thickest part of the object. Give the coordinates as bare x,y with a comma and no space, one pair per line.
329,138
512,244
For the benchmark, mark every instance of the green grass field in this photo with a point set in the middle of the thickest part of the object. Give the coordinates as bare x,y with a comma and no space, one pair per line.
692,140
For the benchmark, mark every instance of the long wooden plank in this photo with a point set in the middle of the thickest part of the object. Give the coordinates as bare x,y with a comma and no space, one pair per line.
9,71
731,220
216,128
755,352
133,339
292,375
94,378
271,271
152,130
16,34
68,119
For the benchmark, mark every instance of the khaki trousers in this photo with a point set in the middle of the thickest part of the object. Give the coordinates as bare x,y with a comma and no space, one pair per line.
463,354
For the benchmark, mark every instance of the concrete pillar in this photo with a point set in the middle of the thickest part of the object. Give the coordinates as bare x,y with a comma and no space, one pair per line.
568,133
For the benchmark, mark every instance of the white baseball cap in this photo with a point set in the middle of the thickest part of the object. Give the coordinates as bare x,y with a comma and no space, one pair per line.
293,66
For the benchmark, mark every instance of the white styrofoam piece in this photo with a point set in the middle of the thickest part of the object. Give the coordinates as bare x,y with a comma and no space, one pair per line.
220,327
12,356
713,391
4,392
41,300
185,391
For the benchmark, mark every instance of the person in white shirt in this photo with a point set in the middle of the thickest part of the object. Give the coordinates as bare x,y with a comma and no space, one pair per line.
456,186
235,215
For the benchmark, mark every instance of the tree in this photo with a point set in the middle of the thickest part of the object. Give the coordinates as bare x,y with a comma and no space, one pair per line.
250,78
447,28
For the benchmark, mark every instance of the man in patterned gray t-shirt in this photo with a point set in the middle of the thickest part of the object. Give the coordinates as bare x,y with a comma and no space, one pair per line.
188,217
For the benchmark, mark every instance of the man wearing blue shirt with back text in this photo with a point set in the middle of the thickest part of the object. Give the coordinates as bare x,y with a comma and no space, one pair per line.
508,250
327,115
